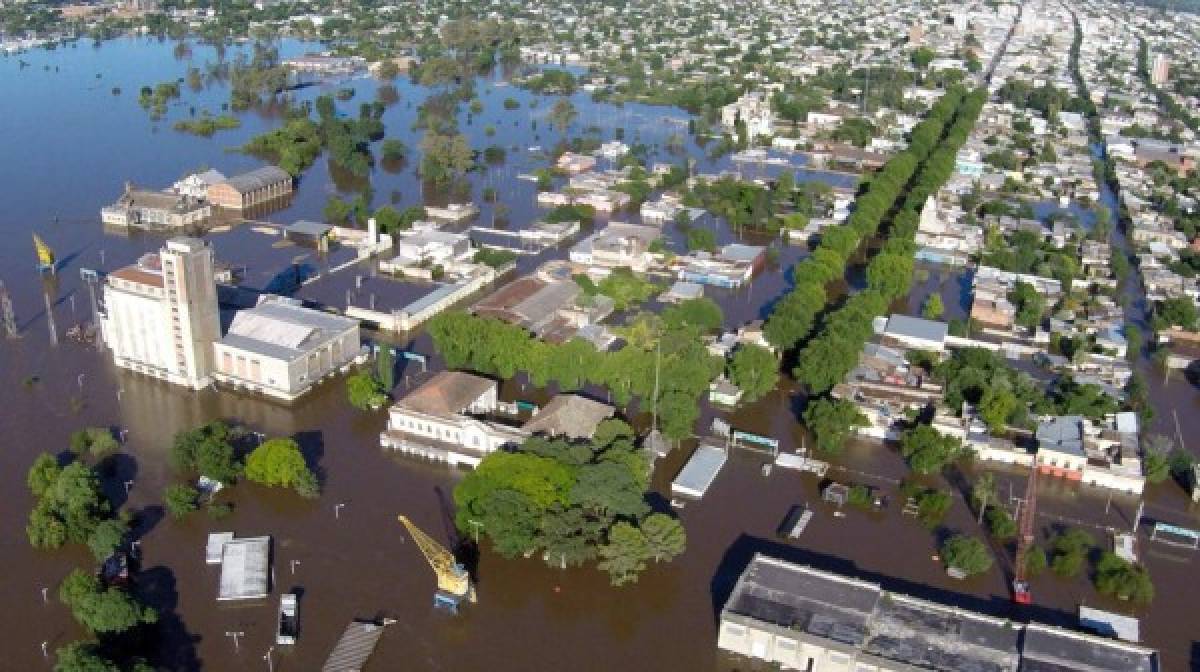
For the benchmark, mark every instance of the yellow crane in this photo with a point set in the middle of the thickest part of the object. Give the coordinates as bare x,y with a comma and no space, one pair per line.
45,255
453,581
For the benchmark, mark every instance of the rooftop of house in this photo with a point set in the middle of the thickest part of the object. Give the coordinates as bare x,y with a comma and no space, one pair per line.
569,415
1061,433
148,199
528,301
447,393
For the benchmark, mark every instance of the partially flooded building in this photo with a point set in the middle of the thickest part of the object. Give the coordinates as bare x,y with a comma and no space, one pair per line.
261,185
805,619
160,315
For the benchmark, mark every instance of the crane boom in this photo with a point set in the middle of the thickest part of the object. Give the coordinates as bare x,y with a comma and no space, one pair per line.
45,255
1021,592
453,581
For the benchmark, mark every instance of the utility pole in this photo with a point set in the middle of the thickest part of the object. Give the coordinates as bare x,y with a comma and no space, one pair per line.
866,90
50,319
235,636
475,525
6,309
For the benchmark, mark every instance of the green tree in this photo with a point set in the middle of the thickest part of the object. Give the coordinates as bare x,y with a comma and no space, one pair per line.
677,414
1180,311
701,239
927,450
207,451
106,537
1000,524
611,429
393,149
42,474
446,157
983,491
1035,560
82,657
95,442
1070,552
337,211
922,57
933,308
69,508
754,370
832,421
180,500
364,392
665,536
967,554
996,407
625,554
932,506
609,490
702,313
562,114
279,462
1123,580
1030,304
99,609
385,367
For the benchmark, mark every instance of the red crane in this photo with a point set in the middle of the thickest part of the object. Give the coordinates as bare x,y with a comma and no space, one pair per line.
1021,593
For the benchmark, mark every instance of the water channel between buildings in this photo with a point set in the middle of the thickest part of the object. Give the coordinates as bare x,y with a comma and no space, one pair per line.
70,144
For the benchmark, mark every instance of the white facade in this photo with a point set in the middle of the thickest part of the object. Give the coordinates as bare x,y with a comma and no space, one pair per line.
281,349
754,109
160,316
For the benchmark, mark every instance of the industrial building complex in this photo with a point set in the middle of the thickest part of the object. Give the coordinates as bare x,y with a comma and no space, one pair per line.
806,619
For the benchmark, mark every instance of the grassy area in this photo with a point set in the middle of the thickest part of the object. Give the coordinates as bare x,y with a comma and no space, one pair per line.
207,125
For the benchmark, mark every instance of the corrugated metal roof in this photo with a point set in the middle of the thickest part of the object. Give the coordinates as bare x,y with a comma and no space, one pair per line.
269,329
258,178
283,328
354,648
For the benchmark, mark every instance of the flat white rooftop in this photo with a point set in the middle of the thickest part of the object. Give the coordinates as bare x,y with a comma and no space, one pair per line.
216,545
244,567
700,471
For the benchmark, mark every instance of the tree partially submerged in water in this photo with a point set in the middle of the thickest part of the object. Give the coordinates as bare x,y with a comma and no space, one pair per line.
573,502
279,462
100,609
70,503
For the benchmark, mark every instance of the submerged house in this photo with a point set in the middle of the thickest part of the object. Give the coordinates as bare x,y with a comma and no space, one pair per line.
458,418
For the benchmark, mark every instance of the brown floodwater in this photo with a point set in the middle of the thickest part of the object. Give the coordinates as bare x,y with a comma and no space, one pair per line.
359,564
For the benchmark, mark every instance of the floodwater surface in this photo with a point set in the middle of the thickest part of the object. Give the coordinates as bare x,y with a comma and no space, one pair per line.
70,144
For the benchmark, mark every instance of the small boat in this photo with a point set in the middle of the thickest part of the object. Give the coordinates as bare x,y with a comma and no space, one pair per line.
289,624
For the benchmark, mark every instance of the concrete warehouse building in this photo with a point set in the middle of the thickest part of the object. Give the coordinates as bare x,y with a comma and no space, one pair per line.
250,189
281,349
805,619
160,317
